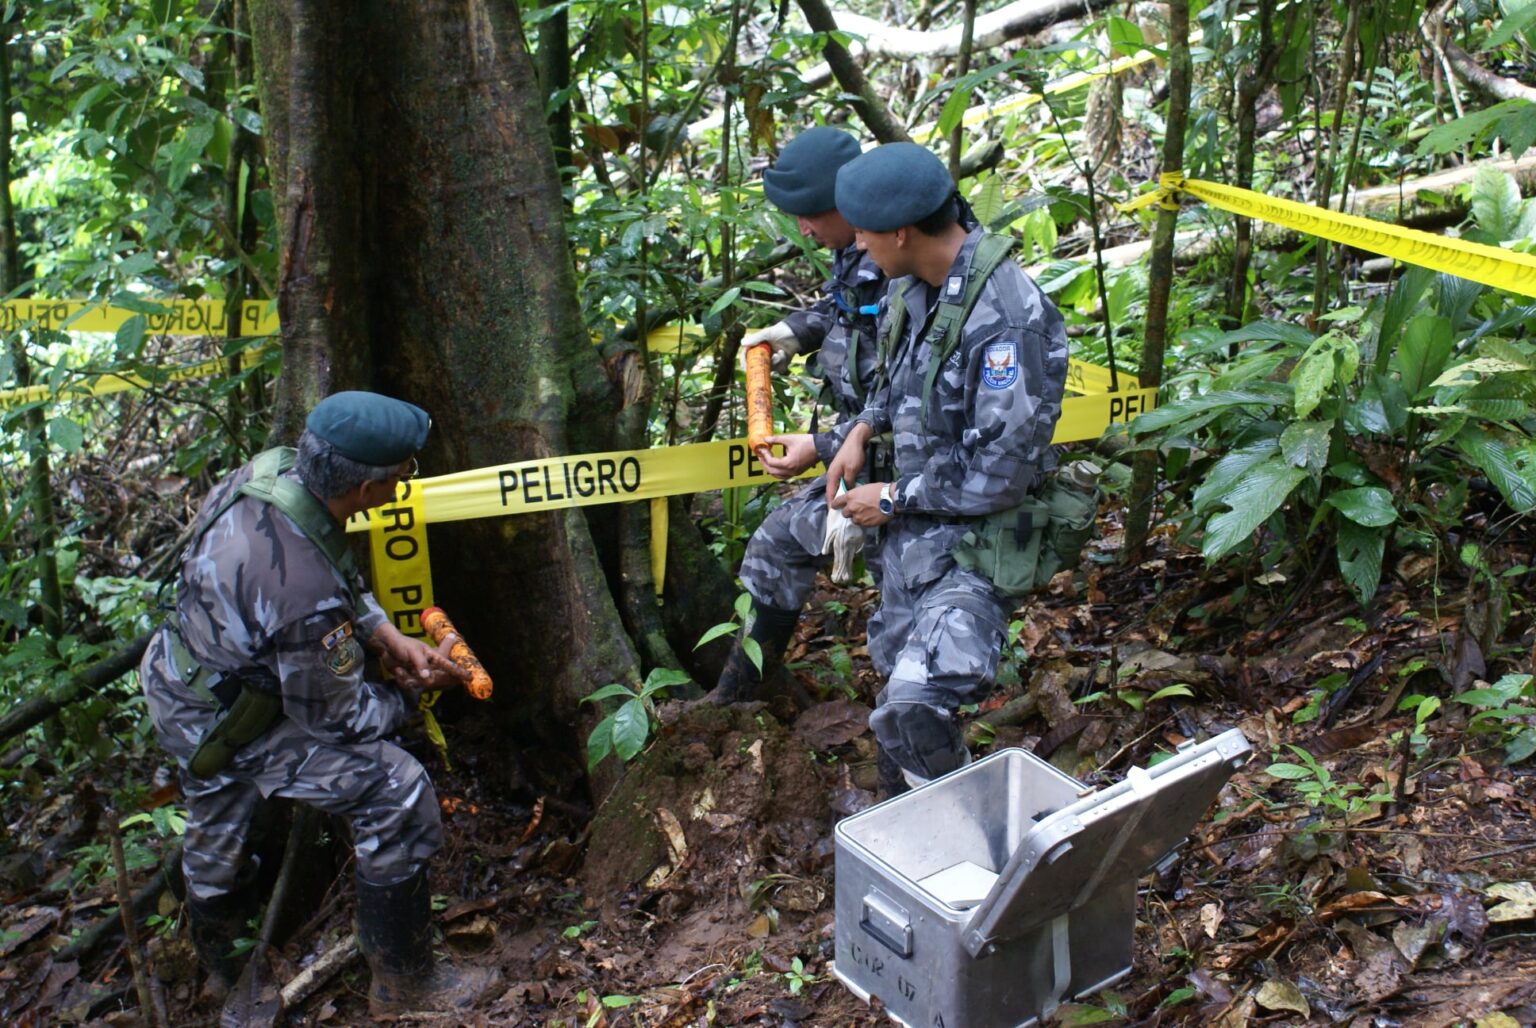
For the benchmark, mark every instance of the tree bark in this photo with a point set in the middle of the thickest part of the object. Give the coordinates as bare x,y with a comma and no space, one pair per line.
1138,518
424,255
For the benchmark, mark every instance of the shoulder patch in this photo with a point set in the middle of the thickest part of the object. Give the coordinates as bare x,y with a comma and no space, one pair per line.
1000,364
342,652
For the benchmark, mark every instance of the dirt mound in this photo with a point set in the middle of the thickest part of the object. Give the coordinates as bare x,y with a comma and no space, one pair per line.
725,812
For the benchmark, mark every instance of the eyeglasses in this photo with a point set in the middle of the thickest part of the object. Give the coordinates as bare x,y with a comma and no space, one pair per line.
411,468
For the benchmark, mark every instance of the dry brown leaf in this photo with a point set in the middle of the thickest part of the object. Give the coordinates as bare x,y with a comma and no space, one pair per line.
1279,994
1211,916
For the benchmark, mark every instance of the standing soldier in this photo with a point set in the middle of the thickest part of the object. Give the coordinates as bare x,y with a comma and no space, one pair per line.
255,685
786,551
977,364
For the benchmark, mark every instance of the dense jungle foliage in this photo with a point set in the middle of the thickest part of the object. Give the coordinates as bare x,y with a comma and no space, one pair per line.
1325,415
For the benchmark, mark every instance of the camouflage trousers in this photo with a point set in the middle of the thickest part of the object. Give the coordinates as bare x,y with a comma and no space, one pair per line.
936,640
379,789
784,554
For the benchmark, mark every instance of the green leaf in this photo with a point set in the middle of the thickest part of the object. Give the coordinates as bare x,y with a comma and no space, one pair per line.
66,434
1360,551
953,110
726,299
1252,501
607,692
600,742
1513,23
1305,444
1289,772
663,678
1166,691
1512,470
129,340
1495,203
754,651
1369,505
723,628
1230,470
1423,353
987,200
631,727
1124,35
1244,400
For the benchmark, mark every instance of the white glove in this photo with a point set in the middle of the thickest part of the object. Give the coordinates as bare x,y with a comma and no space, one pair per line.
779,336
843,539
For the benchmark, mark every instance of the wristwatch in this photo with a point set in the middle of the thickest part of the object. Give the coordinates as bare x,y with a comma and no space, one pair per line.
887,505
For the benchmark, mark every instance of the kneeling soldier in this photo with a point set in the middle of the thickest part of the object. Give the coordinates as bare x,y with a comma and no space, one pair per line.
977,360
255,685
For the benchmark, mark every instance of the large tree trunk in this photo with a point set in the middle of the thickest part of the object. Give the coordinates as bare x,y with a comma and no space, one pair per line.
424,255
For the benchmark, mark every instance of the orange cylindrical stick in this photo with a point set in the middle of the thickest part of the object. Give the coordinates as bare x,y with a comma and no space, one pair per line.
437,625
759,397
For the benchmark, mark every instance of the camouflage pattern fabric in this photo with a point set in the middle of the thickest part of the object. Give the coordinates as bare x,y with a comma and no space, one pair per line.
982,446
256,595
784,554
825,329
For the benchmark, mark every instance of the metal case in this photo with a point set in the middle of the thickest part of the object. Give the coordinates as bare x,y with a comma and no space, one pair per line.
987,897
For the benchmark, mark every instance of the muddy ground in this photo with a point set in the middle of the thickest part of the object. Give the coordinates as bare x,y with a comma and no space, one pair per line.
1388,883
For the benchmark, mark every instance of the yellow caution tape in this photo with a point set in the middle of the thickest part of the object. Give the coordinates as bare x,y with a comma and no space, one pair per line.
1021,101
180,317
430,728
104,382
1476,262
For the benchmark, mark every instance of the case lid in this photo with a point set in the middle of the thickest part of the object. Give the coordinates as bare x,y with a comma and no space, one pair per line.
1108,836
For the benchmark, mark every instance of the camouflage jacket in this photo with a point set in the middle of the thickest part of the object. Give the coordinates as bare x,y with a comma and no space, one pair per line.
994,404
826,328
256,594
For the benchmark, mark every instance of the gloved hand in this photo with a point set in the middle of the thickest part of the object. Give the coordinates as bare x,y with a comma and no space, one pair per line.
844,540
780,337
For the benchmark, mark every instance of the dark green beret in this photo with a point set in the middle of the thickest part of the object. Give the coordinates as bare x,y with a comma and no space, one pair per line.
369,428
892,185
803,180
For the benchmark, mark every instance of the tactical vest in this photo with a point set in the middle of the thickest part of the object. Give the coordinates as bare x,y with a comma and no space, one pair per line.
249,700
1019,549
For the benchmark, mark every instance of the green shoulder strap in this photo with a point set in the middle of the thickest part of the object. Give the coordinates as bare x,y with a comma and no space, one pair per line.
314,520
268,485
991,250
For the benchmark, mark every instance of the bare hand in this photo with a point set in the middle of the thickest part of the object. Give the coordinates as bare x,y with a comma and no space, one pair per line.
862,505
414,663
849,462
799,454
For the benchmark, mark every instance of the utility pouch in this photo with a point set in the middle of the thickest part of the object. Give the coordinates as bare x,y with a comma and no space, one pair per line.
1004,548
253,713
1021,549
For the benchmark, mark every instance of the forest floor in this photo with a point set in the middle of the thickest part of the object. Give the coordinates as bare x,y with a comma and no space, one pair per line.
1391,883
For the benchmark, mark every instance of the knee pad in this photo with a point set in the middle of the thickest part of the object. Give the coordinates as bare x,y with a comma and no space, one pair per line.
922,738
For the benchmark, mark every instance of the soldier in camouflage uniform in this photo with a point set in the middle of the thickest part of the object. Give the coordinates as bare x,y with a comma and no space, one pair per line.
974,445
261,605
784,554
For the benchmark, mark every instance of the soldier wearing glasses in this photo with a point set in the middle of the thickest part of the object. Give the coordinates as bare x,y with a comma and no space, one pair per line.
256,686
786,551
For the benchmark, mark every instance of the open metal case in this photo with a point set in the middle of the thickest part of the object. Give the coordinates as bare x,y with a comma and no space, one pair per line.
987,897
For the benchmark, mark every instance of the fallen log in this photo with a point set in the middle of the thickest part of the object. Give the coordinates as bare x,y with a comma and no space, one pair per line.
40,708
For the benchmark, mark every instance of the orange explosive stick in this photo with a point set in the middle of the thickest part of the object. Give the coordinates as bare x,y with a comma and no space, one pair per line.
437,625
759,397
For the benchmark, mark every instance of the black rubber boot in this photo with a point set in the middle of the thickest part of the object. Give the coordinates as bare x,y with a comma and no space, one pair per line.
892,781
394,931
214,925
739,680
